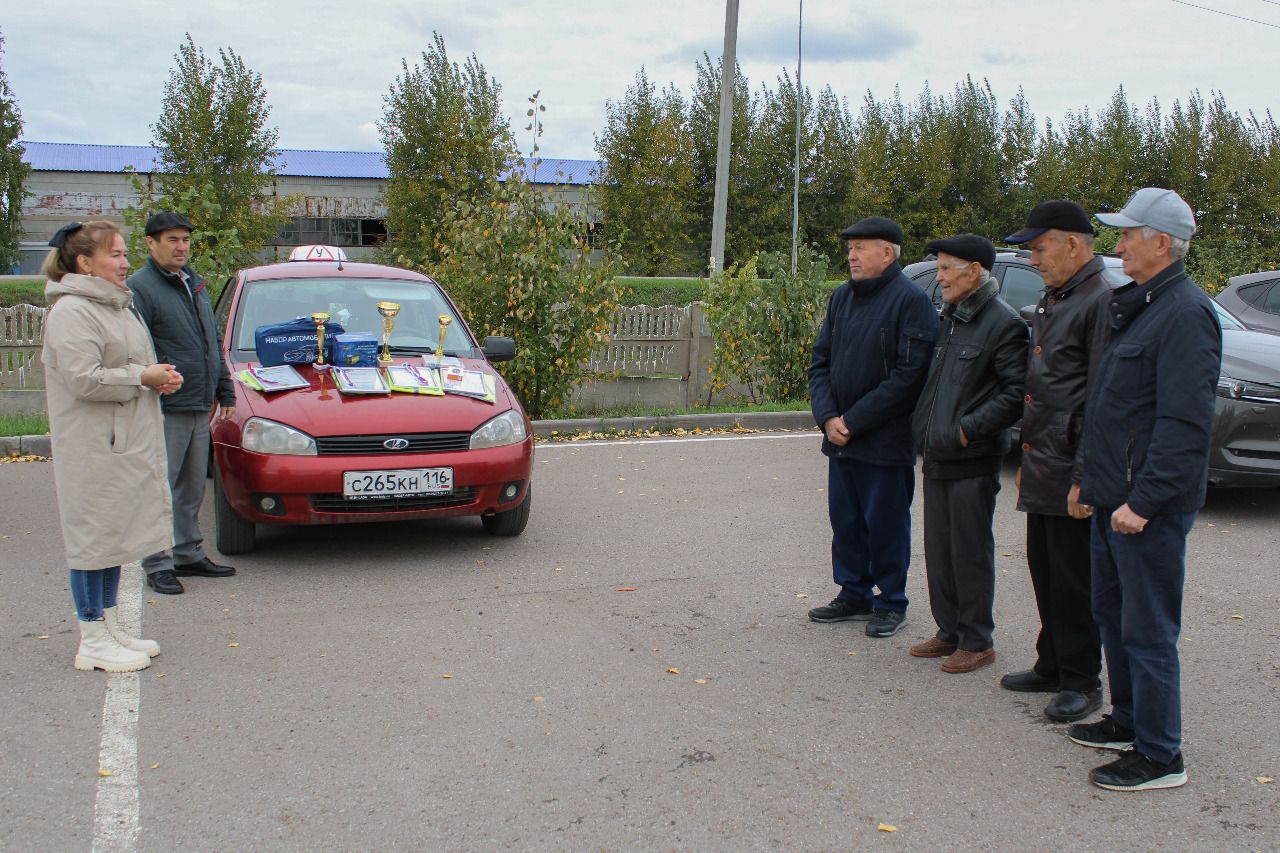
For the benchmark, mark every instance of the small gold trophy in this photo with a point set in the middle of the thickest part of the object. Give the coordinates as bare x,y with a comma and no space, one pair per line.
445,320
320,318
388,310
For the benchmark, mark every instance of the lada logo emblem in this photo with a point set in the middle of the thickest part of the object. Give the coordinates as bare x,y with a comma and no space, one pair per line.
396,443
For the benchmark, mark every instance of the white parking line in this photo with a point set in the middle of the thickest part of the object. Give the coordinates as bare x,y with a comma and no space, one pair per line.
115,815
608,442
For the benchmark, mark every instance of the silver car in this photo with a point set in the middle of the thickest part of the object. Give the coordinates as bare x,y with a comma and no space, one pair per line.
1254,299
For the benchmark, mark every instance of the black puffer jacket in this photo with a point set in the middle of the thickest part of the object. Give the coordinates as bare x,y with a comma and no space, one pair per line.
1068,334
974,384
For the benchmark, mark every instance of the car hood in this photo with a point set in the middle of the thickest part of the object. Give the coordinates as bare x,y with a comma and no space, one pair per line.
1251,356
323,410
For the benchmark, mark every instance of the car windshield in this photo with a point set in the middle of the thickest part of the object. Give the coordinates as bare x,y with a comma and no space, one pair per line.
353,304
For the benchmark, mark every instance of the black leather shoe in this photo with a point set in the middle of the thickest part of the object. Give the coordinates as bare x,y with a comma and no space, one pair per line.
165,583
205,568
1071,705
1029,681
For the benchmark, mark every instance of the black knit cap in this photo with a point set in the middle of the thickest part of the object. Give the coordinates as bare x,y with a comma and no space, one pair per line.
966,247
874,228
165,221
1061,214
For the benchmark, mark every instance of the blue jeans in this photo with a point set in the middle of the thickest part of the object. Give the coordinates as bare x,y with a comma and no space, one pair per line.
870,507
1137,603
94,590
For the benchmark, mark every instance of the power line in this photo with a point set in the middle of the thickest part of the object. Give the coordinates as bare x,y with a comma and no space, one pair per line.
1230,15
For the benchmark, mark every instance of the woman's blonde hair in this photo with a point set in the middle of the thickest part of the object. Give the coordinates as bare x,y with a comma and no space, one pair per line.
81,241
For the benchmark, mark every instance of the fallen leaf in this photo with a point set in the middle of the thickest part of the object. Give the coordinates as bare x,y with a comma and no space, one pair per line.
1237,616
1211,524
446,675
673,670
802,595
627,589
1264,780
887,827
226,610
852,653
43,637
1006,554
153,601
155,766
699,681
233,645
479,562
104,772
539,699
159,675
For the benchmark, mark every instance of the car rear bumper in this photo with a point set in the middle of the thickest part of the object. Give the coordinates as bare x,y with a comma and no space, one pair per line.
1245,450
308,489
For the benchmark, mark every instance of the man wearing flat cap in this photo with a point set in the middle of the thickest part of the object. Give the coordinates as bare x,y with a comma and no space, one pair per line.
174,304
972,397
1146,448
1068,332
869,364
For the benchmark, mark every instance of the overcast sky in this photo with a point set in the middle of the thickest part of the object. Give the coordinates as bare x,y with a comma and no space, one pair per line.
93,72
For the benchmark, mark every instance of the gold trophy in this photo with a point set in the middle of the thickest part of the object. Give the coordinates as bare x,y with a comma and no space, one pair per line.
445,320
320,318
388,310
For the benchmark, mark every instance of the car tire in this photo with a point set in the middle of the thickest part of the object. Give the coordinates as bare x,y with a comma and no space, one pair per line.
233,534
509,523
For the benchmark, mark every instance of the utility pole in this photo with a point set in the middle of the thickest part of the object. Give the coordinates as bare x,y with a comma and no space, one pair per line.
728,69
795,193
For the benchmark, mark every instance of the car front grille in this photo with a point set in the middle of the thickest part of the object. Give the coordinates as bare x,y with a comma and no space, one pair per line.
420,442
338,503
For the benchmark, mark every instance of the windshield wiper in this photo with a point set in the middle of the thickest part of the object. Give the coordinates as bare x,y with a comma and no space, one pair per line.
423,350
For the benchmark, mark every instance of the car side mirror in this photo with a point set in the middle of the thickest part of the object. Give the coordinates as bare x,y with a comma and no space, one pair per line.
1028,313
499,348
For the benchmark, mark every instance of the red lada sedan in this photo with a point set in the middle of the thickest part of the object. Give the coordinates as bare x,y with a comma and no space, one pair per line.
315,455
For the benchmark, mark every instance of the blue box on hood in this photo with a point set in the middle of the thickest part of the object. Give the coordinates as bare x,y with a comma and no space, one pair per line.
355,349
292,342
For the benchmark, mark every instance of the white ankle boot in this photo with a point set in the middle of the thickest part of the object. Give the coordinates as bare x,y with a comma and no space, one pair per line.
99,650
148,647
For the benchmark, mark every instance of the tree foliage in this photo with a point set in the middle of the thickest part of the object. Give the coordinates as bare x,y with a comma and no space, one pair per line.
446,143
13,173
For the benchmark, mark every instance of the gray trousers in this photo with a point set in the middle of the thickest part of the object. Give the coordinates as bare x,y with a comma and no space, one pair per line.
960,558
186,442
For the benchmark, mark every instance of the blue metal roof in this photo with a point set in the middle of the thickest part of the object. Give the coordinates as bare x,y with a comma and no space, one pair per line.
296,162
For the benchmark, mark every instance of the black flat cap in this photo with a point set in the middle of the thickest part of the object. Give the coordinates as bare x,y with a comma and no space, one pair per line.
164,221
874,228
966,247
1061,214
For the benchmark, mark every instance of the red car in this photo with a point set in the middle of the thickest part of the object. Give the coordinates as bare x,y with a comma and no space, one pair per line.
316,455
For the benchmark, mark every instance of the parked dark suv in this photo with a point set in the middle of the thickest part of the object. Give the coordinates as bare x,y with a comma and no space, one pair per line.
1245,448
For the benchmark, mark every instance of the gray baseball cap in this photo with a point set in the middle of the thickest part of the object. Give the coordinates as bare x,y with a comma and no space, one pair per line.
1161,209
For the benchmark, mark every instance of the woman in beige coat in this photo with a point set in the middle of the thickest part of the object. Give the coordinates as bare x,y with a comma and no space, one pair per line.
107,434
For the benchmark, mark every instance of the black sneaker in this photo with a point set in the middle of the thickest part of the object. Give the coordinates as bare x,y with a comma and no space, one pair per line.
1133,771
1104,734
886,623
840,610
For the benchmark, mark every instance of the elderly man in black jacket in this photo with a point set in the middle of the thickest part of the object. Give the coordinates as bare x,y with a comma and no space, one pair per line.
869,363
961,425
1146,441
1068,332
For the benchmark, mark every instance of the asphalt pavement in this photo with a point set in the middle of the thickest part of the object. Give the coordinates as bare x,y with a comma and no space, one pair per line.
635,672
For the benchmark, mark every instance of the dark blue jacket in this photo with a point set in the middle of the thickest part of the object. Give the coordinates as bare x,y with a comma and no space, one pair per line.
185,335
869,365
1150,412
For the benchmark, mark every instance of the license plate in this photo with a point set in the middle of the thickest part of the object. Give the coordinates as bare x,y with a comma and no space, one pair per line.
404,482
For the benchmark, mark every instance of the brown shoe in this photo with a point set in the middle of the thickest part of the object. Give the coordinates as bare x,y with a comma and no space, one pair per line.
932,648
967,661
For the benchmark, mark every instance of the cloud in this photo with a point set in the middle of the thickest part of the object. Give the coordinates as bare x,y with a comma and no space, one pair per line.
877,40
1001,57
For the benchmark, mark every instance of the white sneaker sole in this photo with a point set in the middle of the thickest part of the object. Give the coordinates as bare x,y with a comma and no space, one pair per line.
87,664
1117,745
1172,780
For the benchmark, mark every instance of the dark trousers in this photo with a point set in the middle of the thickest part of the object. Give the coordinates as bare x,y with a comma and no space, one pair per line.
870,508
186,443
960,558
1068,649
1137,603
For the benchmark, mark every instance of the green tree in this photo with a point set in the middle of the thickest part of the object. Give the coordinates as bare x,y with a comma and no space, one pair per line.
702,117
217,157
13,173
647,179
446,143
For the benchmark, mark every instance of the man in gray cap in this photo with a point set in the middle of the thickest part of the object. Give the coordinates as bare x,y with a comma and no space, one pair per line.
1146,445
1068,332
961,426
173,302
869,364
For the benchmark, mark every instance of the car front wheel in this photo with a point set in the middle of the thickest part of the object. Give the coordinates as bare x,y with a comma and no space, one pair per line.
509,523
234,534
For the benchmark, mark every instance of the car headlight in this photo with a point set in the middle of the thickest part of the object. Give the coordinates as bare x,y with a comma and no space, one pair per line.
506,428
1238,389
263,436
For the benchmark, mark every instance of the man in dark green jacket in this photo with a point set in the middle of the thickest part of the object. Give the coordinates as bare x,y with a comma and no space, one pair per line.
173,302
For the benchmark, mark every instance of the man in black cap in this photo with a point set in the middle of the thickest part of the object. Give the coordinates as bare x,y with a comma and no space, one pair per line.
869,363
961,425
1068,333
172,300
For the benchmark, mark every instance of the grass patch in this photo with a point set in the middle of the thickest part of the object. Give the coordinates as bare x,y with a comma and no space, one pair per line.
662,291
23,425
641,412
26,291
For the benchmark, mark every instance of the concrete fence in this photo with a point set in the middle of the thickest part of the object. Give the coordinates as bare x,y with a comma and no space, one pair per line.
656,357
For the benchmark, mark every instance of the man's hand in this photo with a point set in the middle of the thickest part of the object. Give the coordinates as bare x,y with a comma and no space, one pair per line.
1075,509
964,439
1125,520
225,413
1017,479
837,432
